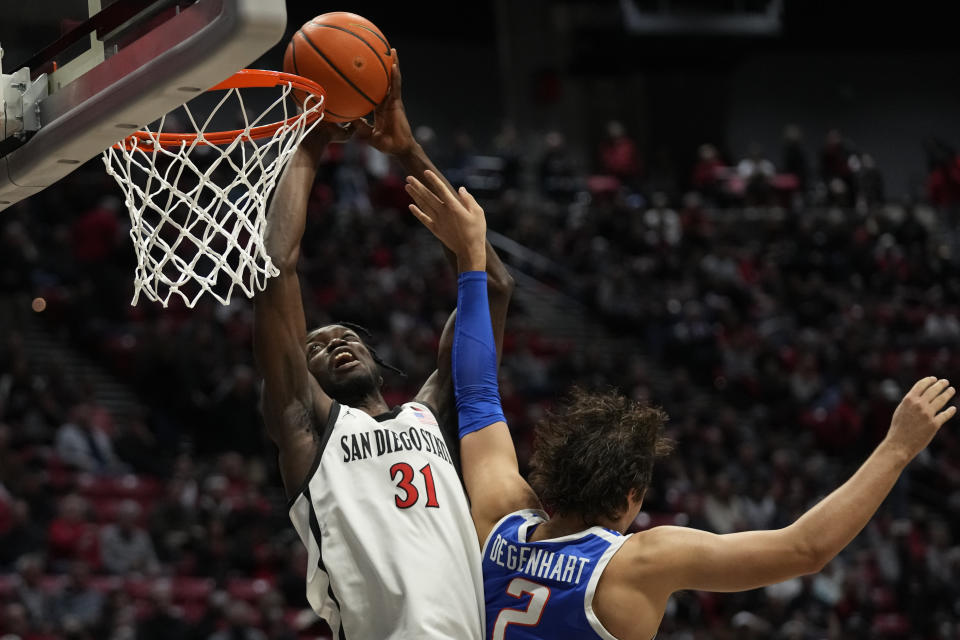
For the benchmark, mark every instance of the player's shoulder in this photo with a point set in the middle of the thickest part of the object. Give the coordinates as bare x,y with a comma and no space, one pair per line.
519,521
647,553
516,525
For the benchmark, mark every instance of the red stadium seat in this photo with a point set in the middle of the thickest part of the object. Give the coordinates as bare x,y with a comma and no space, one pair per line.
139,588
193,611
105,509
127,486
51,583
7,584
246,589
186,590
143,608
5,515
106,584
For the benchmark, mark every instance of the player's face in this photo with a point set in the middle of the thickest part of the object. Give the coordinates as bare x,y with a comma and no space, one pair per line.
341,363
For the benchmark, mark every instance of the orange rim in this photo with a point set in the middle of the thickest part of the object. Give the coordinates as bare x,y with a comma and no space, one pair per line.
243,79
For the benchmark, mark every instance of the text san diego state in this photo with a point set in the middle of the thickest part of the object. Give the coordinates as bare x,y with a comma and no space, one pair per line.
360,446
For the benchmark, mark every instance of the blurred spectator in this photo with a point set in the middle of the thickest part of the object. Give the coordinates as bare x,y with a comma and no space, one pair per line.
662,223
9,465
235,422
95,234
213,616
15,621
83,444
239,624
558,178
19,385
722,509
506,146
619,156
835,169
795,160
78,606
758,507
119,619
136,445
18,256
125,548
870,188
352,186
695,222
460,161
943,180
71,537
756,171
708,171
165,621
292,575
23,536
31,593
271,609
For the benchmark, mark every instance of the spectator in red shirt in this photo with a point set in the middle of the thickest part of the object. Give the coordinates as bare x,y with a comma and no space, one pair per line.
943,181
70,536
708,172
619,156
835,169
95,234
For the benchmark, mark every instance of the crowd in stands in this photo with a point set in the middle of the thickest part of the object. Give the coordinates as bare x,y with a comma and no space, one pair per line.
780,310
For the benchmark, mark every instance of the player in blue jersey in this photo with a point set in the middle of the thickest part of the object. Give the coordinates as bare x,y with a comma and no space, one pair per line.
576,575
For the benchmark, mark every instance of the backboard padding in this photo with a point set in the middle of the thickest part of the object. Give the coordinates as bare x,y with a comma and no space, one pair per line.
182,57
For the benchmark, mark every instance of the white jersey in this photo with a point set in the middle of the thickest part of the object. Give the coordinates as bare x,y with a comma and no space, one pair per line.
392,551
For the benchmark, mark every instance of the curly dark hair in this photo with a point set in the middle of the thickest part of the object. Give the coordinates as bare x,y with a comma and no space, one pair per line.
593,450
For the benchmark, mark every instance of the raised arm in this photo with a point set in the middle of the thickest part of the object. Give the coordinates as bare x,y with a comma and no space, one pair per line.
674,558
292,399
490,469
391,134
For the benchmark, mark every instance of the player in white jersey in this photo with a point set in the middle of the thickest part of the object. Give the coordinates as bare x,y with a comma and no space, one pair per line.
576,576
374,494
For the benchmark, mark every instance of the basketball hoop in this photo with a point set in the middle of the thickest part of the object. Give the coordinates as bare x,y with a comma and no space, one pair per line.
197,199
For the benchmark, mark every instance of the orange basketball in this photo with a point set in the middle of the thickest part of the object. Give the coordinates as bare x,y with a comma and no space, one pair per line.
348,56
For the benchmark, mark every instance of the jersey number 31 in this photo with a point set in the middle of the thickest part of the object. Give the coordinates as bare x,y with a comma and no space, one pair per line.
410,492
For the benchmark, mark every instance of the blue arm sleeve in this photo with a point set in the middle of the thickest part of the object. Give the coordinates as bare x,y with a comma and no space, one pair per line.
474,358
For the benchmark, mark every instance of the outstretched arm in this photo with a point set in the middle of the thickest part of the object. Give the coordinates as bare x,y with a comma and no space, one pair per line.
490,469
291,397
391,134
689,559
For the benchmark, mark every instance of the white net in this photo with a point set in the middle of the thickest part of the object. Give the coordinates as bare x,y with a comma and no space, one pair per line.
198,210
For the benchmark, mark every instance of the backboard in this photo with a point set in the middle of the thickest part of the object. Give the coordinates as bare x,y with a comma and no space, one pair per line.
130,63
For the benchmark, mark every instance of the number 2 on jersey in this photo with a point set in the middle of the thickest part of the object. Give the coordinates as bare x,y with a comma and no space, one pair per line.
405,484
529,617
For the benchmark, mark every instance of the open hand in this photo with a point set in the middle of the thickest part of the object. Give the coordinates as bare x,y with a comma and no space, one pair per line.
455,218
391,131
920,415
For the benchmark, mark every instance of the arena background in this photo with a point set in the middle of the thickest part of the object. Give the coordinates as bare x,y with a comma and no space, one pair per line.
742,211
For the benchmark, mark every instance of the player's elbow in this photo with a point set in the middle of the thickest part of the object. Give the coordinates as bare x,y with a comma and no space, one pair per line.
287,262
811,558
501,284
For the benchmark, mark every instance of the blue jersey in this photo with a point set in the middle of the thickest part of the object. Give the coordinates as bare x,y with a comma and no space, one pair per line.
544,589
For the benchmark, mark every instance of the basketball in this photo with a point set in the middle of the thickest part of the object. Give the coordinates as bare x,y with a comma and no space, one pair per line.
348,56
